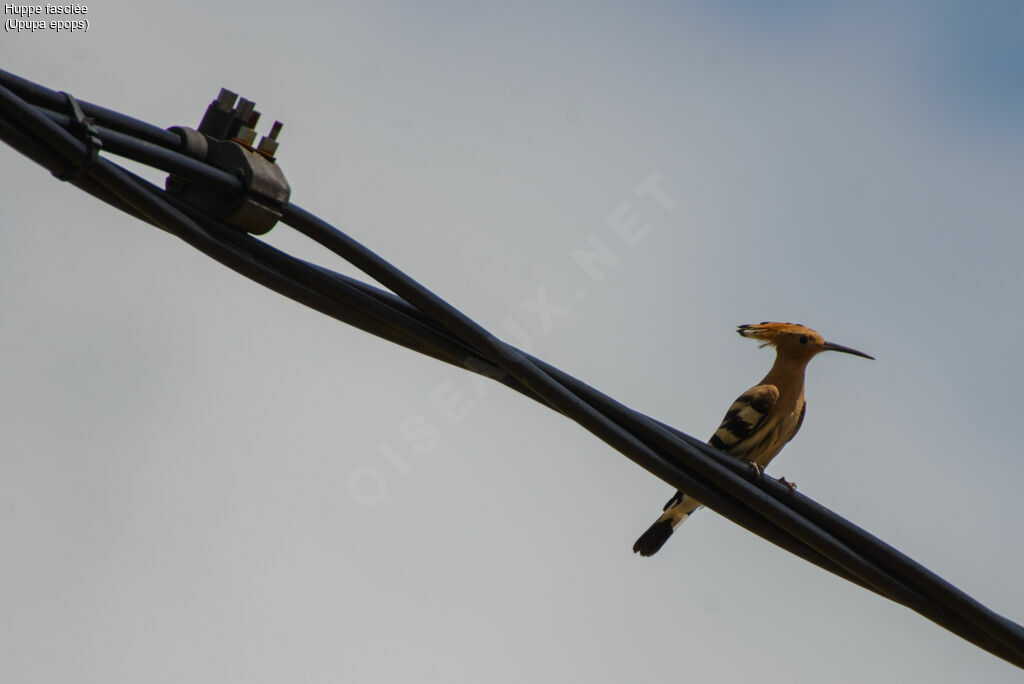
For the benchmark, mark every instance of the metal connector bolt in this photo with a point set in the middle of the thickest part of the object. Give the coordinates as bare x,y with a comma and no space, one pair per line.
226,100
268,143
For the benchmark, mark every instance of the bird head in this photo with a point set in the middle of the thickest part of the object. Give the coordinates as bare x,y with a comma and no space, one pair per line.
793,340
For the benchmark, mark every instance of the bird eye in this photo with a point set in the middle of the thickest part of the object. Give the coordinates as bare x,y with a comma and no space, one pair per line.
803,339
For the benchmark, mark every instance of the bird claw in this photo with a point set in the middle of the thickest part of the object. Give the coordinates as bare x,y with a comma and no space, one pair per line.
791,486
756,468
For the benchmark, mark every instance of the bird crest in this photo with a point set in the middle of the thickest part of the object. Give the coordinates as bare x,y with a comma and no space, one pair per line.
793,340
770,332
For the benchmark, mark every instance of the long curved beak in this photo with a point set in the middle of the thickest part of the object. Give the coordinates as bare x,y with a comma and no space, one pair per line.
832,346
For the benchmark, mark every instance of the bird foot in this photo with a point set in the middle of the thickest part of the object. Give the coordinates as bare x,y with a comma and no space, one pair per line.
791,486
756,468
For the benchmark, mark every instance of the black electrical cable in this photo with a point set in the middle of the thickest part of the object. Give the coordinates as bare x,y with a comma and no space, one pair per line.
452,351
459,358
162,158
419,320
72,141
55,100
615,435
737,516
643,424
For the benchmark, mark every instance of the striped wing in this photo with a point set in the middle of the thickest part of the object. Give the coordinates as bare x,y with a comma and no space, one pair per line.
743,419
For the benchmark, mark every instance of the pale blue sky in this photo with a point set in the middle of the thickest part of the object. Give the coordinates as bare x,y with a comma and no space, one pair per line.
178,444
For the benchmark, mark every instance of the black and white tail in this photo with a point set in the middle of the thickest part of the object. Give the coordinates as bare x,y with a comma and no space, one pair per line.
677,510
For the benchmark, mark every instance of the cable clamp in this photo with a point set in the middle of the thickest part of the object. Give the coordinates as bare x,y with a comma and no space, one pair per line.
82,126
226,139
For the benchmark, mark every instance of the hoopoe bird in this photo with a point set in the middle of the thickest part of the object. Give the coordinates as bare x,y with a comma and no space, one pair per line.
760,421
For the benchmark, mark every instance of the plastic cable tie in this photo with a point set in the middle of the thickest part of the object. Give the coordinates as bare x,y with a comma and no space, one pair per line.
81,125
